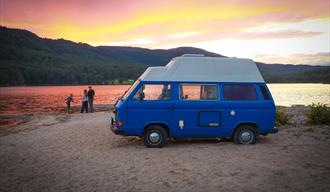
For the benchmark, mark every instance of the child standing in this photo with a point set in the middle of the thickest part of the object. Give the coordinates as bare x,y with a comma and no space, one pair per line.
84,106
68,102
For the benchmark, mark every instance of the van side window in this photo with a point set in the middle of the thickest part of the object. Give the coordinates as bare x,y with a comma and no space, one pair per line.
153,92
199,92
240,92
264,92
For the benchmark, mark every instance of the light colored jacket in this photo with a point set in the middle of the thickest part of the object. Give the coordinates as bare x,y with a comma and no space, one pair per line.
84,98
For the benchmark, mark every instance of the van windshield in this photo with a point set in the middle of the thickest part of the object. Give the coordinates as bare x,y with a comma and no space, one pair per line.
129,90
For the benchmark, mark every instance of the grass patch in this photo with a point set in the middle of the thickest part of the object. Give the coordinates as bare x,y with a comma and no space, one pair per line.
318,114
282,118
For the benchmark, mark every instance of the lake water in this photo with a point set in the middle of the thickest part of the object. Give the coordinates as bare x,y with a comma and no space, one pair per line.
48,99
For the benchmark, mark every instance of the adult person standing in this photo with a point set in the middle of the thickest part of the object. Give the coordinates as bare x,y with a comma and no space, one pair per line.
84,106
91,94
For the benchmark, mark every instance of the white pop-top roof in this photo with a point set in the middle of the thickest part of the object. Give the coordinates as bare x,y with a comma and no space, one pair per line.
199,68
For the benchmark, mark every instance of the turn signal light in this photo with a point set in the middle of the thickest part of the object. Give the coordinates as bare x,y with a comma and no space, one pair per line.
120,123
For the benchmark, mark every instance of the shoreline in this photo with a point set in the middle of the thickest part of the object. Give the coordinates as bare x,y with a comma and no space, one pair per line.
8,121
12,120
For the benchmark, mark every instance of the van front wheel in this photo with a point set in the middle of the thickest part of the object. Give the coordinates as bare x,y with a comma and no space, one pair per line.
155,136
245,134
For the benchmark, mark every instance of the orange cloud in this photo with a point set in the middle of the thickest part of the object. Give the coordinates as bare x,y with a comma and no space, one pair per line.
105,21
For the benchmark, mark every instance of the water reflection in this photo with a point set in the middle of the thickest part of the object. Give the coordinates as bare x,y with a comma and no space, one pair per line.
18,100
48,99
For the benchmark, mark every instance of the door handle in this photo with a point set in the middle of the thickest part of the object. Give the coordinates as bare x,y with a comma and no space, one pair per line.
181,124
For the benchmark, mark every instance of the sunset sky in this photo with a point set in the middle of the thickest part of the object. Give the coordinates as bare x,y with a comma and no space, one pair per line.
295,32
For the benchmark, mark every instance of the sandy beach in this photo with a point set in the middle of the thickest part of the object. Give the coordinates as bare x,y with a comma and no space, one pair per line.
78,152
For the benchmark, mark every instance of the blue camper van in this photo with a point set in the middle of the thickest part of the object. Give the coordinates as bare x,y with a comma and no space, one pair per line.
195,96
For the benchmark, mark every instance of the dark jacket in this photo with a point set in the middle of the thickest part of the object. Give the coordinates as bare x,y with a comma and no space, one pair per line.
69,100
91,94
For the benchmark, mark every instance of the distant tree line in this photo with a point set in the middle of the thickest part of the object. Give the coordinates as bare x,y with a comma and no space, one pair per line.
10,76
315,76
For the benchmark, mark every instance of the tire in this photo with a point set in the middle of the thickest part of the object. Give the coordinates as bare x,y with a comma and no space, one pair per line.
155,136
246,135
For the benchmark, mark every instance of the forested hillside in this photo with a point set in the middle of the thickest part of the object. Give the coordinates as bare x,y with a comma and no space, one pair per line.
26,59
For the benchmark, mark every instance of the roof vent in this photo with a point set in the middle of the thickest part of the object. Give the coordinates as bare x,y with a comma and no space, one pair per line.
192,55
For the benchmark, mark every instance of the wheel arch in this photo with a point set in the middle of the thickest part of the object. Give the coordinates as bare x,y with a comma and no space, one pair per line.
252,124
161,124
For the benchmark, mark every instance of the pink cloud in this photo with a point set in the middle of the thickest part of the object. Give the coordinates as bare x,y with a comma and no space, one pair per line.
89,16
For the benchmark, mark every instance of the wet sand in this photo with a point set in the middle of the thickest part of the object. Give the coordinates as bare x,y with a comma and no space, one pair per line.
78,152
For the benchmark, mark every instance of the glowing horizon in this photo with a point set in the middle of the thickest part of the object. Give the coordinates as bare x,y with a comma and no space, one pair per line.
267,31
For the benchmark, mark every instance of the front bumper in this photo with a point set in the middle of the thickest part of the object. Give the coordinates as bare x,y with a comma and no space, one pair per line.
114,128
273,130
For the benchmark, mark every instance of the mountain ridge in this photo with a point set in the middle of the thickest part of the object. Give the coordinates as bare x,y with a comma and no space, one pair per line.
27,59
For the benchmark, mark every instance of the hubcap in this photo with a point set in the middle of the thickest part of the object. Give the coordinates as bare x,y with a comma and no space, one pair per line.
246,136
154,137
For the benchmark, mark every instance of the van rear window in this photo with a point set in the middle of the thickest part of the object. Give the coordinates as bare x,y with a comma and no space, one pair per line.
199,92
240,92
264,92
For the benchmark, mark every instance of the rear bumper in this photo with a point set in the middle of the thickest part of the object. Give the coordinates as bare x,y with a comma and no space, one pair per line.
273,130
114,129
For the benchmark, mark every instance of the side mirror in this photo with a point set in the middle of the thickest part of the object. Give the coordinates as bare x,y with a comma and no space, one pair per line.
185,96
141,96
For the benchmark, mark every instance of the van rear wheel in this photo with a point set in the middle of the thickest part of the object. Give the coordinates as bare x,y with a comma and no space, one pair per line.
245,134
155,136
